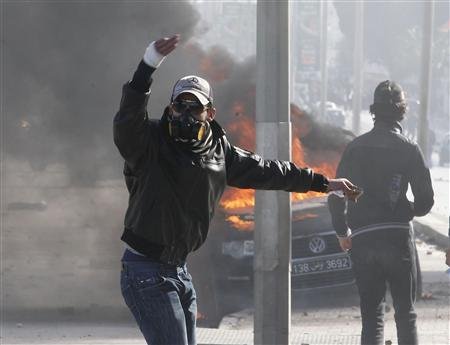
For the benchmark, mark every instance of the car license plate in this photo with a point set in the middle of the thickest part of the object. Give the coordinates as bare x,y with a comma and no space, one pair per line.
323,265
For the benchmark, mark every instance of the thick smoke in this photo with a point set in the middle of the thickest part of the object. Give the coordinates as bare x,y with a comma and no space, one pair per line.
65,65
235,89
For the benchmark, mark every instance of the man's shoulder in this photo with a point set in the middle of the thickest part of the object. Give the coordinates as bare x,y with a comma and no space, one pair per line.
361,139
375,136
402,140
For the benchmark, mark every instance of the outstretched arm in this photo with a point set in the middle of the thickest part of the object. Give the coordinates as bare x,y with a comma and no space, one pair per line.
248,170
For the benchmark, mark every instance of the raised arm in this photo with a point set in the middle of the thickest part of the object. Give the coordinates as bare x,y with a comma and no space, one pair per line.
132,132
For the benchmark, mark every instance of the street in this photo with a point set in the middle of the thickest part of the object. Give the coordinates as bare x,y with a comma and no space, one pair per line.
336,312
319,317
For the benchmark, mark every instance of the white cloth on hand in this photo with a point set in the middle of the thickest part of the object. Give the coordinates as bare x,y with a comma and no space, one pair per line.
152,57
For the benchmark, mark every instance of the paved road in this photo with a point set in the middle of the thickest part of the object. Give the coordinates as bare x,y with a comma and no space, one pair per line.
317,318
336,313
435,224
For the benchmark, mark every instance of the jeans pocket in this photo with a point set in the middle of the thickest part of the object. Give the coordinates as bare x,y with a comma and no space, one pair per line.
149,281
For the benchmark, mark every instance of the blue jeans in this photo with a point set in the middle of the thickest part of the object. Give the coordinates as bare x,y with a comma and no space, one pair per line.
162,299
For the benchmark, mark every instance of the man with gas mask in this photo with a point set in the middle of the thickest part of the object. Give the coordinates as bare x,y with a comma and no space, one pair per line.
176,170
377,230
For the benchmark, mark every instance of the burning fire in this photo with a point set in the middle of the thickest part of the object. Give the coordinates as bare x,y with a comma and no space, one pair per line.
299,217
241,224
218,66
238,198
248,225
243,128
244,131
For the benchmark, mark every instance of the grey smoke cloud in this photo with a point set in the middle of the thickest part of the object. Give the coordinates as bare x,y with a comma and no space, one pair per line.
65,64
64,67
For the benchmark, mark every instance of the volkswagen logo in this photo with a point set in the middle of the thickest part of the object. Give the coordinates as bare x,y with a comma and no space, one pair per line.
317,245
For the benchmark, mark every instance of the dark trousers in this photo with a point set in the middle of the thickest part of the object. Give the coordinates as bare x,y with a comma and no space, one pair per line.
382,258
162,299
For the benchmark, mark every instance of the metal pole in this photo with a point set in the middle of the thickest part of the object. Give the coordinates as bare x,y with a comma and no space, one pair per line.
358,64
427,49
273,209
323,57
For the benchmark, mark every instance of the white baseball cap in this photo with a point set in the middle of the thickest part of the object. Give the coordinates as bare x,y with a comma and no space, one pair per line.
195,85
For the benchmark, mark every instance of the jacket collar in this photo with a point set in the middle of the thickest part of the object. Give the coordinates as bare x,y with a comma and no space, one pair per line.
392,126
217,129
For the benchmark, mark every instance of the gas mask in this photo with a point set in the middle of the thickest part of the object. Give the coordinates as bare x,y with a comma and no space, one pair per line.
186,127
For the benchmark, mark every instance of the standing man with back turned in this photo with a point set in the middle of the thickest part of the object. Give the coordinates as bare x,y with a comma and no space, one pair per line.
176,170
377,229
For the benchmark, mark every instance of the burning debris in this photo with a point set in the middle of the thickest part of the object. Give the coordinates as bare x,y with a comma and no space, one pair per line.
299,217
241,223
314,145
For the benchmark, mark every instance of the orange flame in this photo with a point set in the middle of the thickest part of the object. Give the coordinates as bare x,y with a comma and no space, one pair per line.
238,223
239,198
242,129
217,65
299,217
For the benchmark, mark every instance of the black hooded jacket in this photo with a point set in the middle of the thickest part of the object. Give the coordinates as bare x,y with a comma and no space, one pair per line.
173,193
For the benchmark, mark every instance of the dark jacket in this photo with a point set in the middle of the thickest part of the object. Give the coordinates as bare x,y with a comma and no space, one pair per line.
174,193
383,162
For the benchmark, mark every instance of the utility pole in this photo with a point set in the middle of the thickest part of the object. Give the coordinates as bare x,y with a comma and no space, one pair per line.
425,78
273,208
323,57
358,65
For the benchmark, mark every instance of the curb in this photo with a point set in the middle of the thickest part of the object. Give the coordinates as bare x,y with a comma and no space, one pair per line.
434,230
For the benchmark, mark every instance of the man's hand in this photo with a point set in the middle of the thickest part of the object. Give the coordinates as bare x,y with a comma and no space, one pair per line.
166,45
157,51
345,243
447,257
351,191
